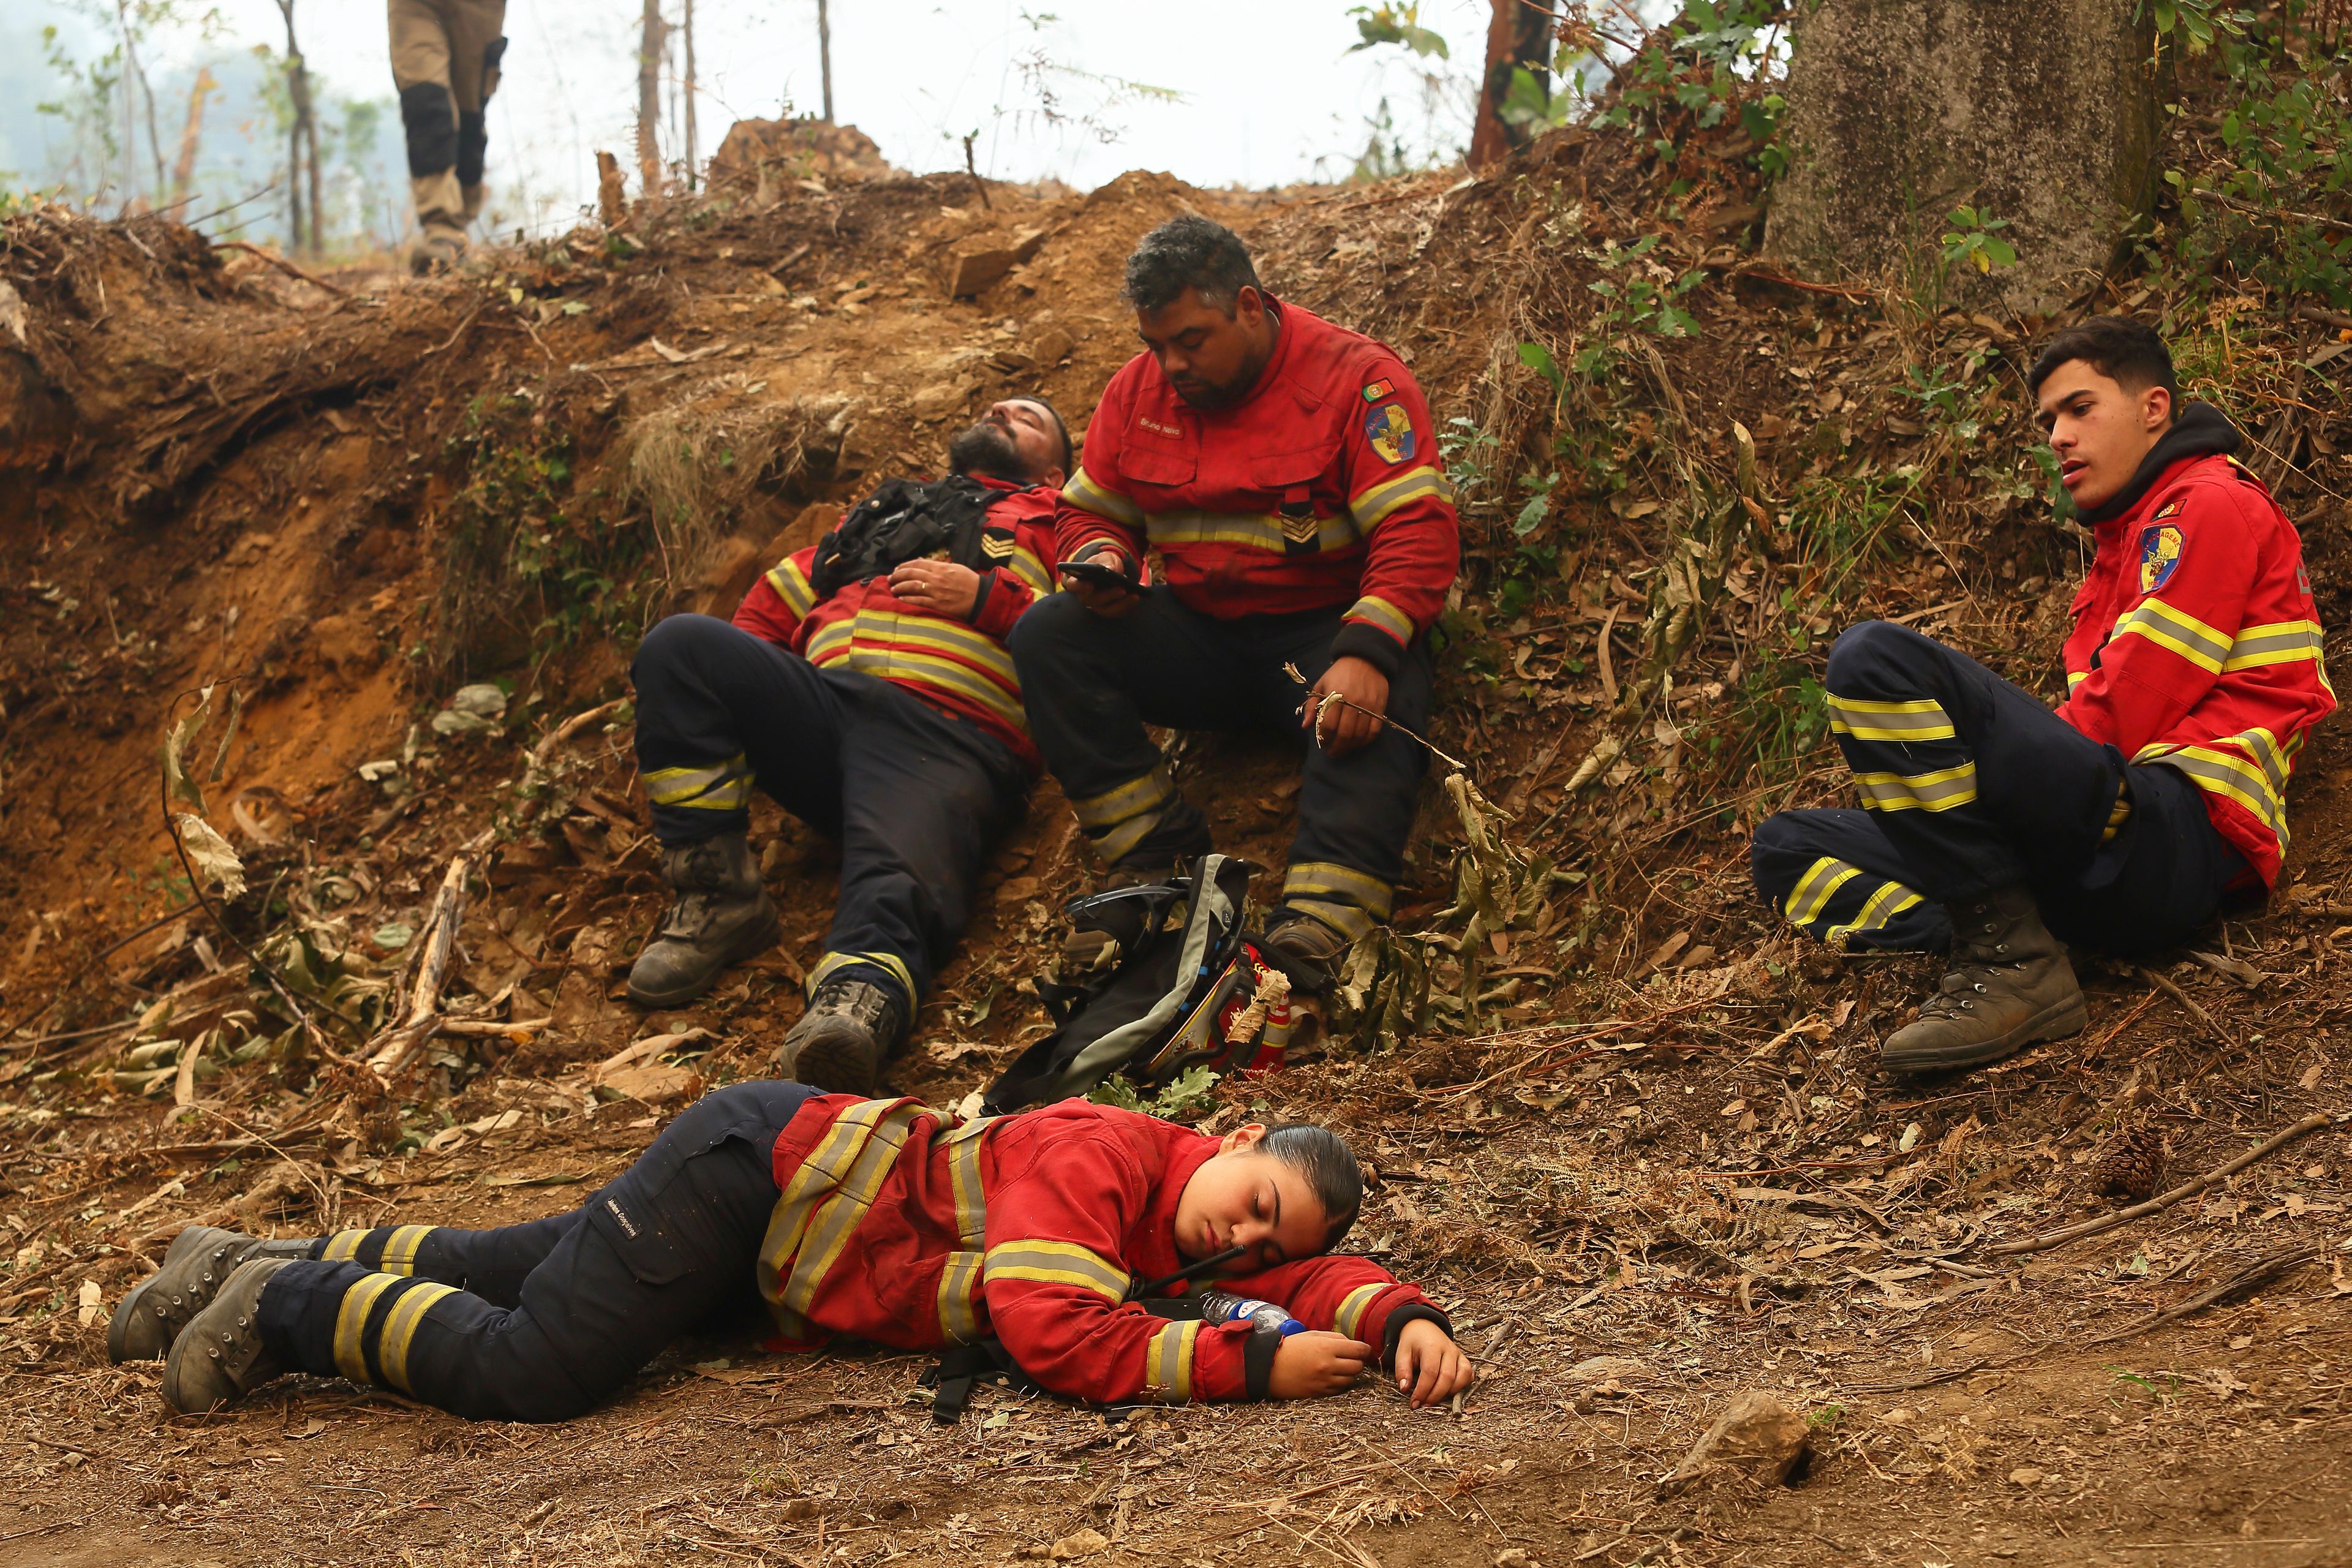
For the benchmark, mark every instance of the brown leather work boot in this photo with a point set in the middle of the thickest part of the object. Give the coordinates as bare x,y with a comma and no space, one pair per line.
723,915
842,1041
2010,985
221,1355
202,1257
1308,950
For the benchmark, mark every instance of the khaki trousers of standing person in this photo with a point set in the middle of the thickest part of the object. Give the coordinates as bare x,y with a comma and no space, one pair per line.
445,61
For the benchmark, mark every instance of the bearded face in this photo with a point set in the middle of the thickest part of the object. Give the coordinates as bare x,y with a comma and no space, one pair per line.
990,448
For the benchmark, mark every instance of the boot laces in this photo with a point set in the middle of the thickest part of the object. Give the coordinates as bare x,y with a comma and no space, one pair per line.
688,919
699,873
1957,994
853,999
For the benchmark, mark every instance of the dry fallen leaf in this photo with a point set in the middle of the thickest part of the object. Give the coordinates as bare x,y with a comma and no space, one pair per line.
214,862
2312,1074
91,1296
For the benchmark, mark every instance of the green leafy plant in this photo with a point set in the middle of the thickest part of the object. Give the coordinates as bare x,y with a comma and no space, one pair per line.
1711,64
1974,241
1469,450
1189,1095
1399,25
524,563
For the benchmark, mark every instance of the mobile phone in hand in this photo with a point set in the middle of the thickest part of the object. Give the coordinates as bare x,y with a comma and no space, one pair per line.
1096,575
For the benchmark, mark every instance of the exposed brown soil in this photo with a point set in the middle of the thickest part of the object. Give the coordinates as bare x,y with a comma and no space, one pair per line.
1667,1145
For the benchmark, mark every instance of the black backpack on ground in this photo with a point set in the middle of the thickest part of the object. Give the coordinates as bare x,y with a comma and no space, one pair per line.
1189,988
906,519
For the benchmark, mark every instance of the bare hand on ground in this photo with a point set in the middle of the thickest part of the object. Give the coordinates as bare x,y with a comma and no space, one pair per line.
941,587
1430,1366
1315,1363
1341,727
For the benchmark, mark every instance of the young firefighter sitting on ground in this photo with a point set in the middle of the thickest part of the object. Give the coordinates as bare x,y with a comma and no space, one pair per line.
864,686
2193,674
875,1218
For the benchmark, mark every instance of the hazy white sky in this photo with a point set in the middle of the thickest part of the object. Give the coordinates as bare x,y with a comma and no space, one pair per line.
1271,94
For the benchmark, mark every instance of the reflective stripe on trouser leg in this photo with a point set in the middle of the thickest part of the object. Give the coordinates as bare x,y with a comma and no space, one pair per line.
376,1324
1976,783
1119,820
1843,905
714,787
1836,875
388,1249
1905,754
1347,900
886,968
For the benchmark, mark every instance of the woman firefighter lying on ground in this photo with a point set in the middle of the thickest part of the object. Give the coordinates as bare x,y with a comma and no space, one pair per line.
874,1218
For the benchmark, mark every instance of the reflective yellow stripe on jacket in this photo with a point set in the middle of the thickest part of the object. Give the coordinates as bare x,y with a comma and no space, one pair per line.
2250,769
825,1201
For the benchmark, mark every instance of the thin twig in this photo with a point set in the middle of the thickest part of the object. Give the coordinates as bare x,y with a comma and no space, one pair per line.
67,985
2261,1272
2212,1025
2065,1234
2255,209
282,264
396,1047
1456,764
451,341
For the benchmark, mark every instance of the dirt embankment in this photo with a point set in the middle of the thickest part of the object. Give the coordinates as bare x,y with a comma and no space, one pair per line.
1652,1134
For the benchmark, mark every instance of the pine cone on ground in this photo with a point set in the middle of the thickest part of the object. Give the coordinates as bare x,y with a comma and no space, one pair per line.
2133,1165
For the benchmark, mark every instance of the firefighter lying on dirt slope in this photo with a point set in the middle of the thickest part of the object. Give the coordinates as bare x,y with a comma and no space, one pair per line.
1285,471
864,685
2156,790
876,1218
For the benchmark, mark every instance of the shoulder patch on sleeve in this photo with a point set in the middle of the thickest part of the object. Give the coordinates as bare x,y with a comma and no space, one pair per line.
2170,508
1389,429
1375,391
2159,553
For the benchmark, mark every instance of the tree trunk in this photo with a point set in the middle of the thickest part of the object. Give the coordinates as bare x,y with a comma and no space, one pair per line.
692,151
1519,35
1899,110
183,170
311,158
649,59
825,55
611,203
137,73
297,94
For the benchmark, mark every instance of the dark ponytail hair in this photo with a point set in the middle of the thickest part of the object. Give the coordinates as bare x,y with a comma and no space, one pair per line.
1329,1165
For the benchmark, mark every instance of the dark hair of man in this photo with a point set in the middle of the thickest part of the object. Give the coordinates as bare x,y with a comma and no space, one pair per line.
1194,253
1323,1158
2125,351
1061,428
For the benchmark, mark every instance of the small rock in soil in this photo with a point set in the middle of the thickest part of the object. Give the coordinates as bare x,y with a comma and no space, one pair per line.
1757,1436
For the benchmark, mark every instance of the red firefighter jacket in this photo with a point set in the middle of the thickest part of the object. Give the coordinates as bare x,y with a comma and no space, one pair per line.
960,667
1323,488
898,1224
2196,646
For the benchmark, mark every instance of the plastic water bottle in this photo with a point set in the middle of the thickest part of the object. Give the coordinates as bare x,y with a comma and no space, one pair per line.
1224,1306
